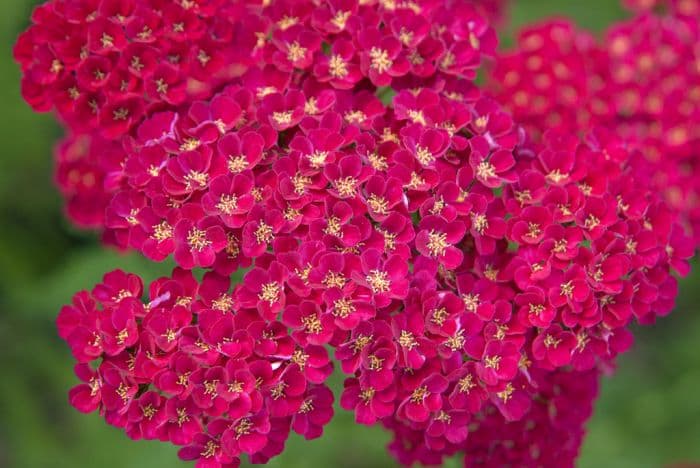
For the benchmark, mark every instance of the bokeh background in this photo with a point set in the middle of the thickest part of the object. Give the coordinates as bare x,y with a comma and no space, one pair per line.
648,414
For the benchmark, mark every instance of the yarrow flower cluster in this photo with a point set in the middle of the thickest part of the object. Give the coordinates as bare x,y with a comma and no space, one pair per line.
470,281
642,80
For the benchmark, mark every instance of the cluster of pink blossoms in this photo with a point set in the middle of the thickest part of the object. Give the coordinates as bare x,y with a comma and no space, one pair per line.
642,81
471,282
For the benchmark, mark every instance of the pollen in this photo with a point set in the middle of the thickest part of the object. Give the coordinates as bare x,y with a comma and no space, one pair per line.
334,280
471,302
560,246
536,309
346,186
300,182
307,406
232,246
340,19
287,22
439,316
378,204
388,135
265,91
227,204
277,391
196,179
148,411
169,335
203,58
120,114
333,227
222,303
243,427
303,274
190,144
389,240
582,340
270,292
197,239
131,219
485,170
591,222
237,164
183,379
424,156
337,67
56,66
360,343
367,394
438,206
342,308
447,60
480,223
282,118
299,358
264,233
295,52
419,394
122,336
533,230
492,362
210,387
507,393
556,176
209,450
437,243
317,159
378,281
465,384
161,86
95,385
456,342
355,117
375,363
380,60
415,58
312,324
566,289
123,392
550,341
235,387
107,41
377,161
407,340
290,214
406,36
523,197
415,182
417,116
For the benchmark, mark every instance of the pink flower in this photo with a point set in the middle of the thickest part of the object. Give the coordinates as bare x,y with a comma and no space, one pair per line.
437,238
196,244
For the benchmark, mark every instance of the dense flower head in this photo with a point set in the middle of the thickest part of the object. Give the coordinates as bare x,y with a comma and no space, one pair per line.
642,80
471,279
412,245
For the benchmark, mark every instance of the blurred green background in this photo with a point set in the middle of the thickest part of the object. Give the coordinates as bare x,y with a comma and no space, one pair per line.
648,415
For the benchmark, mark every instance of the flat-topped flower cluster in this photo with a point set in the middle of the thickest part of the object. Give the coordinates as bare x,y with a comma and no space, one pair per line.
641,81
469,280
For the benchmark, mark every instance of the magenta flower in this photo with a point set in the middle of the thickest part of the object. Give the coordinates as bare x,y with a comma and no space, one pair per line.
196,244
385,278
437,238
